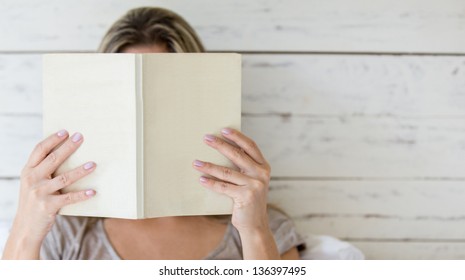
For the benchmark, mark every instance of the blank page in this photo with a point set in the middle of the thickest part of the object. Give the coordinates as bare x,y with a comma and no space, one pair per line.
185,97
95,95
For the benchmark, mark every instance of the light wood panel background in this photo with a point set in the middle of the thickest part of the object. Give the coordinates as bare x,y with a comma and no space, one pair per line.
358,105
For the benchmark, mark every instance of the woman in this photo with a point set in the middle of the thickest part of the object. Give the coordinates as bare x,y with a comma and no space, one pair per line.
252,232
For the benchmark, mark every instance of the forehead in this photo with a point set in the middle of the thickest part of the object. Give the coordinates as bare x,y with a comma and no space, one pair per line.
154,48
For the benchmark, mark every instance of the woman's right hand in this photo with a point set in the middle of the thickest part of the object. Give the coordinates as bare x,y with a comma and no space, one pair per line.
40,197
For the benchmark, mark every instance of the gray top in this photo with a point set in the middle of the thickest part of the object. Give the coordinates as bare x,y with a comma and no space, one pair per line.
84,238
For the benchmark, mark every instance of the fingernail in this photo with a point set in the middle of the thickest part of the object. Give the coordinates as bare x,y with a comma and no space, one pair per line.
90,192
88,165
203,179
209,138
61,133
226,131
199,163
76,137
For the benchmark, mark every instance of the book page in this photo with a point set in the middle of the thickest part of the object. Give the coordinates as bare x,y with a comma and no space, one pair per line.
185,97
95,94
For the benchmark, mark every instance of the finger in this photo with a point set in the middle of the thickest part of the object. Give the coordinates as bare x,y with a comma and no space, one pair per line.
224,173
43,148
249,146
57,157
70,177
73,197
235,154
226,188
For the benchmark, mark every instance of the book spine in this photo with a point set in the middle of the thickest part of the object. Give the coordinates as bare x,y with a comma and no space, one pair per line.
139,135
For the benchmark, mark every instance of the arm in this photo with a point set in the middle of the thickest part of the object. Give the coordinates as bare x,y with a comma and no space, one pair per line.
248,188
292,254
40,197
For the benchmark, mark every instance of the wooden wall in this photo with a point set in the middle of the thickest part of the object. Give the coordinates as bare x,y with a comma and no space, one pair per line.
358,105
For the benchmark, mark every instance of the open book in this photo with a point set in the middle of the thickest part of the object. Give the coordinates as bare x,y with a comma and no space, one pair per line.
143,118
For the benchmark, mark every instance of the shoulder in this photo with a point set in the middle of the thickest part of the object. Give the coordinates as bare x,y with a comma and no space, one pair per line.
65,237
284,231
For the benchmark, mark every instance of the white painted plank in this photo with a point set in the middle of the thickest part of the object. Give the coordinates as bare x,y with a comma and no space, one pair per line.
268,25
402,210
9,199
415,200
354,85
399,229
412,250
314,147
361,147
19,136
20,84
302,85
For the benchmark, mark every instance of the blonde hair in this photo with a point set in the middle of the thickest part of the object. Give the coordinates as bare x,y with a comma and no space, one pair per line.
151,25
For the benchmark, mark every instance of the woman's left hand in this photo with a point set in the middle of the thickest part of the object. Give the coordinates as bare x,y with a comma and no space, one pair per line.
248,187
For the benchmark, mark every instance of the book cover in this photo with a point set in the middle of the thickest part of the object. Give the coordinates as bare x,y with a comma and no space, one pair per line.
143,117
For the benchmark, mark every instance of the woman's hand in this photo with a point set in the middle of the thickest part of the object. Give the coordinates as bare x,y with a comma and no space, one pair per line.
40,197
248,188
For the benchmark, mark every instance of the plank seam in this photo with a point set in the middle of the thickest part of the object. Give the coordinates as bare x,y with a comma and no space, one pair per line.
9,178
378,216
288,115
403,179
262,52
402,240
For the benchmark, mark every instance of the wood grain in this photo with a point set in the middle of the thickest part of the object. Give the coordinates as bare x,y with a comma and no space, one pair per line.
20,84
19,136
356,147
270,25
334,85
363,210
412,250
